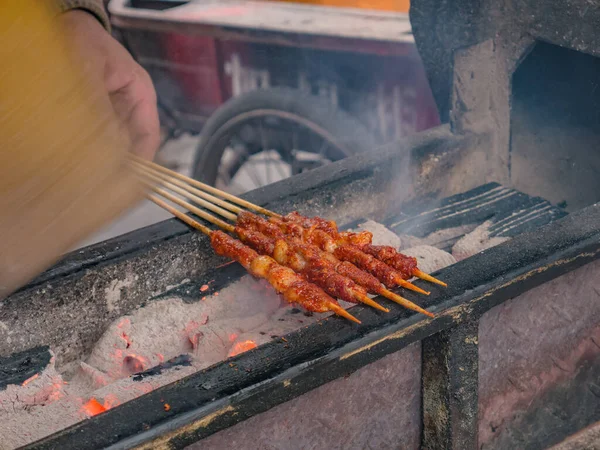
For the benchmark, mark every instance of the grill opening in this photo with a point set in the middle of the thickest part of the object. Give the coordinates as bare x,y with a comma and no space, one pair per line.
555,126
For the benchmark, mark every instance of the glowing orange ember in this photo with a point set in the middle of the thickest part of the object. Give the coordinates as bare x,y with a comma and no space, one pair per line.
241,347
167,407
204,288
93,407
30,379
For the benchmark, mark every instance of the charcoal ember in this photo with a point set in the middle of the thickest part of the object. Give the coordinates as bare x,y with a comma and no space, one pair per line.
429,258
476,241
35,406
149,336
179,361
43,387
444,238
93,377
167,328
19,367
407,241
381,235
46,404
211,344
21,425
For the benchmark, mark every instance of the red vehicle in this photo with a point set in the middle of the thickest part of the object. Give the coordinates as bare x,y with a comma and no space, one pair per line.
274,88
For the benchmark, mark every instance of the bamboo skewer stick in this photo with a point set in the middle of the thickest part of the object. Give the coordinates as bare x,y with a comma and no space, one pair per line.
204,229
202,214
169,178
193,197
164,178
182,216
206,187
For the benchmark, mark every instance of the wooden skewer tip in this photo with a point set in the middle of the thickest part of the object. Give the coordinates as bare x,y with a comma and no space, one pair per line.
425,276
404,302
370,302
342,312
412,287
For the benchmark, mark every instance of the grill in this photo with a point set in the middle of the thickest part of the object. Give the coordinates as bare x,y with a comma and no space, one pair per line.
511,359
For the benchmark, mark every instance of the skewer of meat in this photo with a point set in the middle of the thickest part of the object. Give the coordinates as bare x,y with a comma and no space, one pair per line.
250,221
362,239
293,287
318,271
389,276
336,285
406,265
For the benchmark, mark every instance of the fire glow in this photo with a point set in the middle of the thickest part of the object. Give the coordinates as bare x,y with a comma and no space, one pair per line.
93,407
30,379
241,347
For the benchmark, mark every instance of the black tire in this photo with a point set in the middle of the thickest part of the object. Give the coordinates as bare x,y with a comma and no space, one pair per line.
345,134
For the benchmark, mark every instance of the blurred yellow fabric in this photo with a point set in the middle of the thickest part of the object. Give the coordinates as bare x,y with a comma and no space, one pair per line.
63,169
385,5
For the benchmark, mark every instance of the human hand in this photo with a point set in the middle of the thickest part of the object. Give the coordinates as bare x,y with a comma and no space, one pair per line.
127,85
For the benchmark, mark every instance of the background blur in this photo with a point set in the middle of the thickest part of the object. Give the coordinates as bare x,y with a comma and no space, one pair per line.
251,92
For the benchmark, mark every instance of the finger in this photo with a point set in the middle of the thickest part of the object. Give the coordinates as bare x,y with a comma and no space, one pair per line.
135,106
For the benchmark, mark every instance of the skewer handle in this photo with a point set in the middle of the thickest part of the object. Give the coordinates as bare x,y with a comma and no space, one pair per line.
182,216
206,187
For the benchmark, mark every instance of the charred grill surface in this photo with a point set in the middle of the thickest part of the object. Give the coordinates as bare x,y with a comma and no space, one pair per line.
334,348
20,367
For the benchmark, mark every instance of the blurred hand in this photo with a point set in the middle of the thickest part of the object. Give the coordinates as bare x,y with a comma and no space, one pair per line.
126,83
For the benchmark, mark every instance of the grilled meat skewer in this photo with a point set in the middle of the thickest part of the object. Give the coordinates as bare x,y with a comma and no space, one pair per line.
292,286
406,265
318,271
389,276
252,222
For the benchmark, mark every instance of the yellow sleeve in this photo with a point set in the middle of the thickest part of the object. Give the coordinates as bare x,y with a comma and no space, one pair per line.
63,156
95,7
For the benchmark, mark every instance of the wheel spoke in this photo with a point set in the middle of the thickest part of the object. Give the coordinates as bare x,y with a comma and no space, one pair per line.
270,151
250,167
265,151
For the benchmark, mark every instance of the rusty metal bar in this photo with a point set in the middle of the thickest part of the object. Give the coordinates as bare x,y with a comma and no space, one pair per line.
450,366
